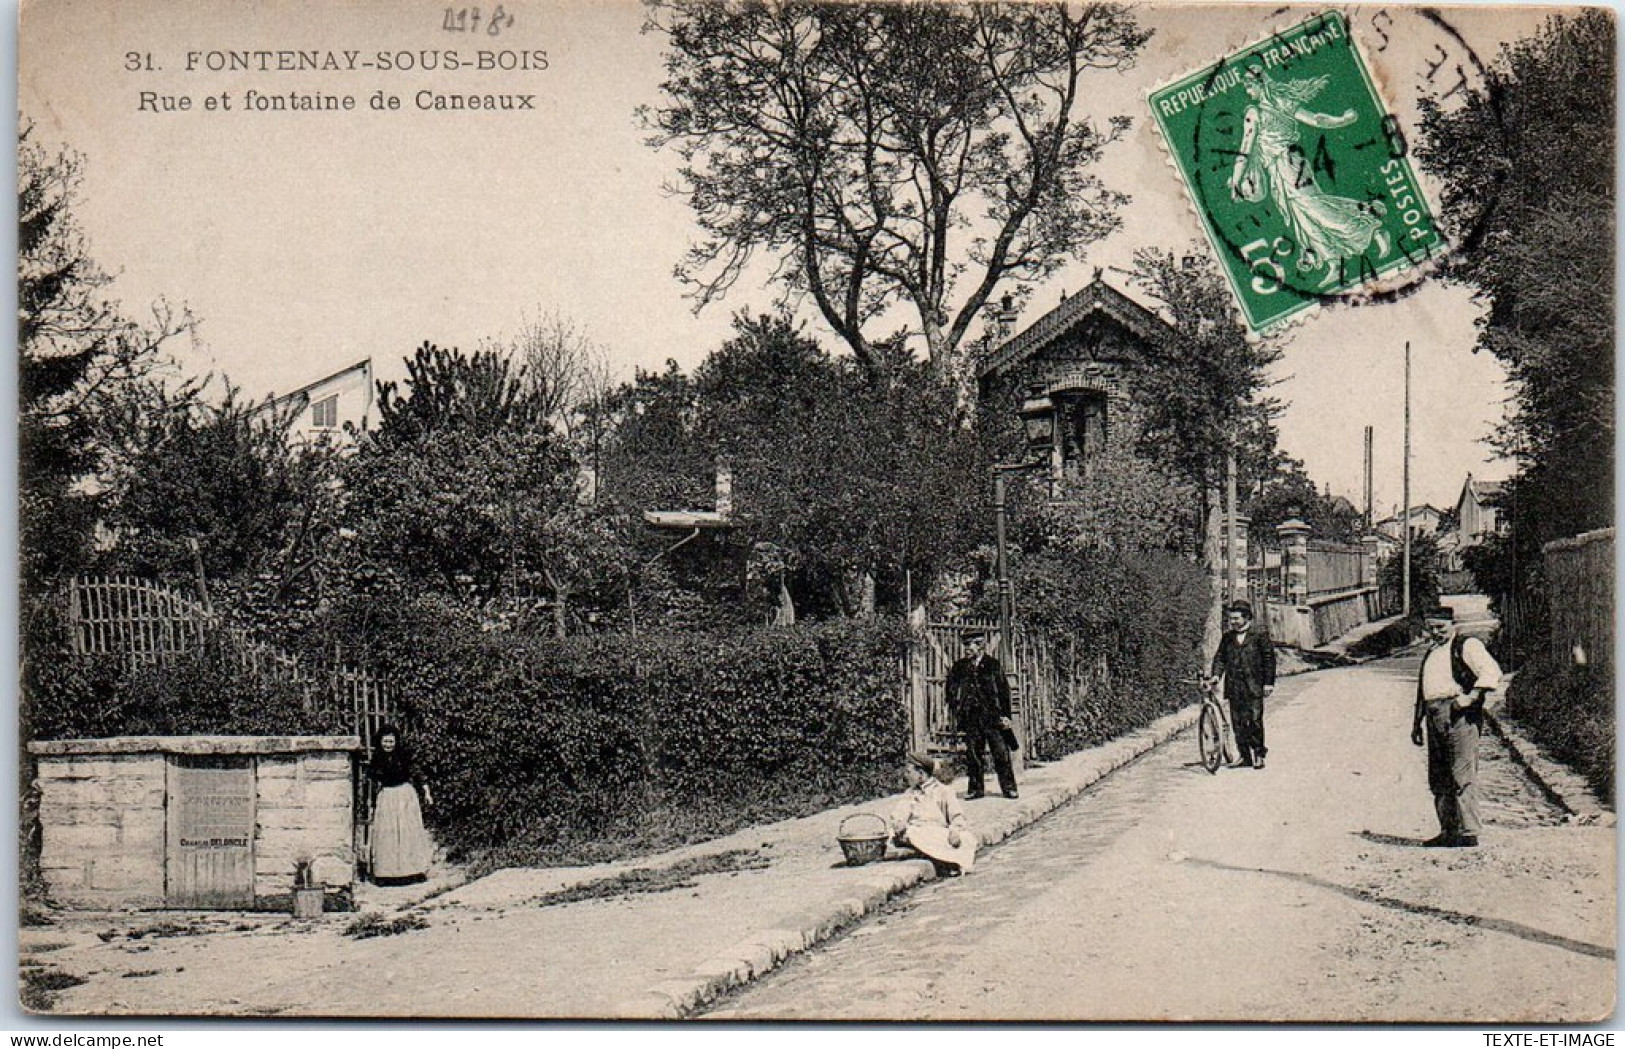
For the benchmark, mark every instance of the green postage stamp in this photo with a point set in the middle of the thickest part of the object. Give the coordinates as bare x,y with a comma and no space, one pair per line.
1298,171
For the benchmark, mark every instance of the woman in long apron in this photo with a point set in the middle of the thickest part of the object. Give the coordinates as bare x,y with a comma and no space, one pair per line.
401,849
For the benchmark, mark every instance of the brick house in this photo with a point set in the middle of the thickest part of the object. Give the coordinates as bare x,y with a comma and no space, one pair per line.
1071,373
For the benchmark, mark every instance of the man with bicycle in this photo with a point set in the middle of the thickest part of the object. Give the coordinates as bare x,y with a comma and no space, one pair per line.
1246,658
1456,673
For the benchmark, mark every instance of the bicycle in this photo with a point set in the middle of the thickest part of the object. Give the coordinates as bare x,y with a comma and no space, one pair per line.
1214,739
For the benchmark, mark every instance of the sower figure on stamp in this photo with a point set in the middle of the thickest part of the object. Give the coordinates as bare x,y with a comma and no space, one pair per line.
979,696
1456,673
1246,658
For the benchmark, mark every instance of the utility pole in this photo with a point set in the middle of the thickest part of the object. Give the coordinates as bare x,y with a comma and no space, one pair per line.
1232,571
1368,508
1405,510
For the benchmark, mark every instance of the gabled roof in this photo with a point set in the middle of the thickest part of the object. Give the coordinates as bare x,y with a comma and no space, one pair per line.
1419,510
1098,298
363,365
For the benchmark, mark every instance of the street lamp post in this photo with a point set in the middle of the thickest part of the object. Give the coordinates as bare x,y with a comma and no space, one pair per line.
1038,420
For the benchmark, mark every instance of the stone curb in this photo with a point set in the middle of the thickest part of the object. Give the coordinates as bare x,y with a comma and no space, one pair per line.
761,952
1566,788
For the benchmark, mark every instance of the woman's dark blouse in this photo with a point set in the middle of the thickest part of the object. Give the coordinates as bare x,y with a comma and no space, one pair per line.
392,768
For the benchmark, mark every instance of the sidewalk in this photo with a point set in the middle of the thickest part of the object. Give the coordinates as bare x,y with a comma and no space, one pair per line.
739,906
682,927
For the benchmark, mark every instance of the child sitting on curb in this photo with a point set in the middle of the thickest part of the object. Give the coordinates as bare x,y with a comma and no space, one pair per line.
931,820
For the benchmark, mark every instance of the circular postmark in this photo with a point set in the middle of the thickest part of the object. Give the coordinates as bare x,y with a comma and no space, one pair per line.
1303,172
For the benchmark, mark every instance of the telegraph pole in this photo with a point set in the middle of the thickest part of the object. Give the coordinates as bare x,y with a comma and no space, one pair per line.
1232,571
1405,510
1368,516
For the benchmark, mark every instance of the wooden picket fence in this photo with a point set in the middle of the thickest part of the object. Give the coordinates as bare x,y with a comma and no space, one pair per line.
934,650
1580,594
147,623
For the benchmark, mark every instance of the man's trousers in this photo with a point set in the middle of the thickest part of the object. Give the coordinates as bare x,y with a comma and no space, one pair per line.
976,738
1247,721
1453,765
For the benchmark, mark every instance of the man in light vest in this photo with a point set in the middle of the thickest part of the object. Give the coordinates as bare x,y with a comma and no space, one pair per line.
1456,673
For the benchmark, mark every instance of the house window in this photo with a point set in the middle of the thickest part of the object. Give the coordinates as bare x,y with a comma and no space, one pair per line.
1085,440
325,413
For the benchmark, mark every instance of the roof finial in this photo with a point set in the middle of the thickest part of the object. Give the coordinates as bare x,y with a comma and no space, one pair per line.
1098,272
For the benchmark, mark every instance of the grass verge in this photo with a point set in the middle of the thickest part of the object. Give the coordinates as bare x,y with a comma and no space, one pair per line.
645,880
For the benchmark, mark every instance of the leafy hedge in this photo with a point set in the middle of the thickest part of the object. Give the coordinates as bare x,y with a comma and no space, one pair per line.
543,748
203,692
1131,624
1569,710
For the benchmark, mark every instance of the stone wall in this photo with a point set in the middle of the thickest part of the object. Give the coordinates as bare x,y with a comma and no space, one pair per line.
104,808
304,810
102,821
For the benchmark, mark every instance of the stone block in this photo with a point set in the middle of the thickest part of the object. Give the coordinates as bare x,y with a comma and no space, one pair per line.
334,870
63,878
143,829
278,792
126,874
88,837
75,768
318,827
321,768
276,766
329,794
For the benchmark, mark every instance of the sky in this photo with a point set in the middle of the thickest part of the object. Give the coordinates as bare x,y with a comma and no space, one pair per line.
306,241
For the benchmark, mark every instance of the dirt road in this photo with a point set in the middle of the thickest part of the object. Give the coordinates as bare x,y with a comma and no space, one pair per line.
1298,892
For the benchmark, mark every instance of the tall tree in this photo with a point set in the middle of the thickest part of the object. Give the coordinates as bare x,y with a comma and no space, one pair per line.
842,475
1527,168
77,352
890,153
1206,394
567,372
466,489
221,474
1529,162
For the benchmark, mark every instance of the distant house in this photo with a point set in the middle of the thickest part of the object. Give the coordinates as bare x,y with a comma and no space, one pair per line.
1424,520
1069,374
326,407
1479,514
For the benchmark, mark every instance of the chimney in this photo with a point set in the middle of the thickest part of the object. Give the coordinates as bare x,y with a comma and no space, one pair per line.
1004,318
725,488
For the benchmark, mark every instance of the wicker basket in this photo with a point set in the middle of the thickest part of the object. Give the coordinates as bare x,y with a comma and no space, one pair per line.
861,848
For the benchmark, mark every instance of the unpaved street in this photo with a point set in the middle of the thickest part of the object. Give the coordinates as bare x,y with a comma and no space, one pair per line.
1298,892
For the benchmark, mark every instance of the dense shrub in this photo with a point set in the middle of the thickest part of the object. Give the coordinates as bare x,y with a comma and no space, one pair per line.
201,692
204,691
1128,622
1569,710
544,747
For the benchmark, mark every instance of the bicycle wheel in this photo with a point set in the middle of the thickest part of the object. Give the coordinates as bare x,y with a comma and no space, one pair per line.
1210,737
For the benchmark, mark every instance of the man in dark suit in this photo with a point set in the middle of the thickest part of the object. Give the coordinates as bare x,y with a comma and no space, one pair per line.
979,696
1246,658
